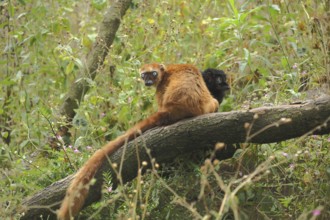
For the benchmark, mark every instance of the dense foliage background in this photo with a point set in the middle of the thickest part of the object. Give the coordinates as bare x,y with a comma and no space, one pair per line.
273,52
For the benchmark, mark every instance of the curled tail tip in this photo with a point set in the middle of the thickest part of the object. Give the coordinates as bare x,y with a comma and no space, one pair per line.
67,210
64,213
73,201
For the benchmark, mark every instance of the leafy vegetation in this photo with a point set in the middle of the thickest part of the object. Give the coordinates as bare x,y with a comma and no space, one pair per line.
273,52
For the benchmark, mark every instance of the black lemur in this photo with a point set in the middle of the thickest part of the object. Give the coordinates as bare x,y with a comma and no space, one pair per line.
216,82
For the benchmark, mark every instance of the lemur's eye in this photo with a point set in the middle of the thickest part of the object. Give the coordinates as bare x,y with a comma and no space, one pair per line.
154,73
142,75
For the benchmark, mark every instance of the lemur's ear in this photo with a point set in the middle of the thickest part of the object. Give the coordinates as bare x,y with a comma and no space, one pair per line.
162,67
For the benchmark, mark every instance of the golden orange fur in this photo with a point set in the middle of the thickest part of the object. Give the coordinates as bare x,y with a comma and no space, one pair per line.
180,92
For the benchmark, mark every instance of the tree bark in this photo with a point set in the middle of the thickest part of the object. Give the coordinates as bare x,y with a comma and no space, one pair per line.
272,124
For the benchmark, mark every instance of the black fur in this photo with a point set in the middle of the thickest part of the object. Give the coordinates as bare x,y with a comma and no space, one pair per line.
216,82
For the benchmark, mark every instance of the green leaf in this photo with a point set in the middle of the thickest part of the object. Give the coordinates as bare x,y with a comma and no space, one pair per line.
5,134
247,55
233,7
11,10
242,66
69,68
79,62
275,7
24,143
286,201
284,62
46,112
